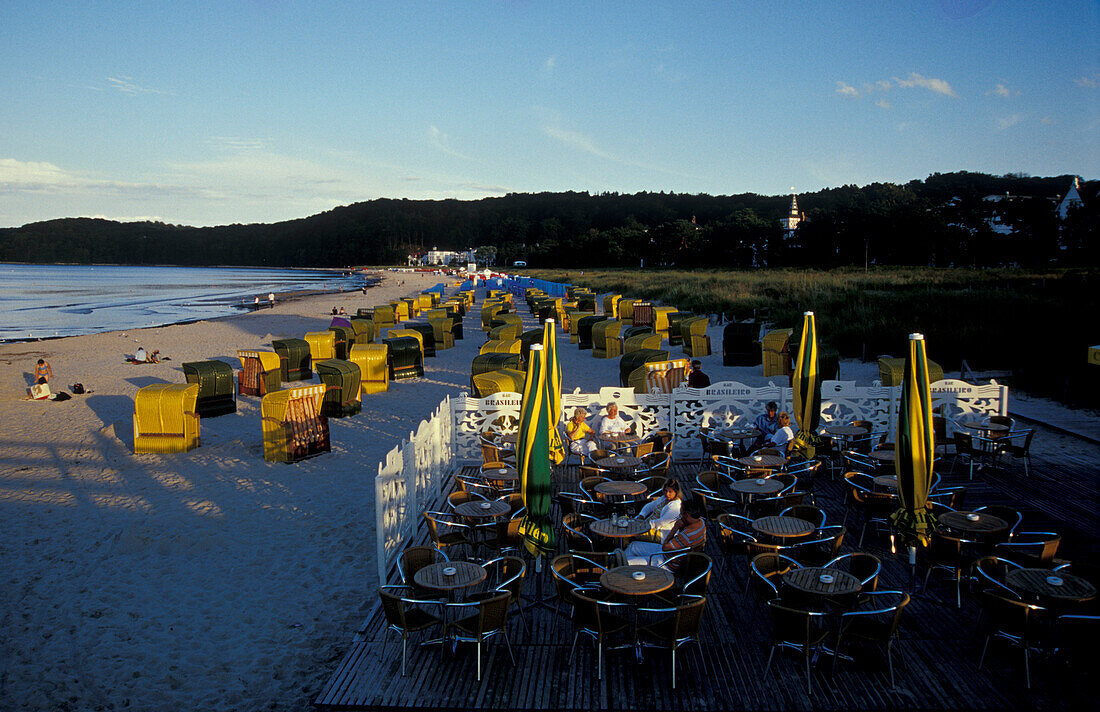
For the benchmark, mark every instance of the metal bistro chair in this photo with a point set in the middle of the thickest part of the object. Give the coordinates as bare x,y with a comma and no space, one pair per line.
808,512
506,573
799,629
990,573
412,560
454,533
486,619
1031,549
766,569
875,620
822,548
599,620
406,615
865,567
1010,514
677,627
572,572
574,526
1014,621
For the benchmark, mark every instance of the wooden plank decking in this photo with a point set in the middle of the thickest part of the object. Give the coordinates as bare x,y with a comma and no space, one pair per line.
936,660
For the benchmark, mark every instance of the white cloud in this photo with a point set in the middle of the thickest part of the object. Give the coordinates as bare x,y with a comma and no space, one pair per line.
550,63
1004,122
938,86
579,141
126,85
1000,90
1088,82
914,80
443,142
236,143
1047,121
44,177
883,104
846,90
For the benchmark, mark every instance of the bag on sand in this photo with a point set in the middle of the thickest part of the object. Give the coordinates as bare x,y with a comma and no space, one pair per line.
40,391
77,388
62,396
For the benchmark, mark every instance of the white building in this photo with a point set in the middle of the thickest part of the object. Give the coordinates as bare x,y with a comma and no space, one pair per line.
793,220
436,256
1072,199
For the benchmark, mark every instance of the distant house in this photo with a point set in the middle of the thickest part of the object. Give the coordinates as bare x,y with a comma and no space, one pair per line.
436,257
1071,200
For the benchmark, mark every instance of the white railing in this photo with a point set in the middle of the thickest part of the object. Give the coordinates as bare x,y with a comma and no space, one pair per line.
411,476
413,473
686,411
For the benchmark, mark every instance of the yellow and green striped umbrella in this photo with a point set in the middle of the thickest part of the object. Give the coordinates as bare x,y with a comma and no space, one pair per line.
807,389
914,446
533,456
553,390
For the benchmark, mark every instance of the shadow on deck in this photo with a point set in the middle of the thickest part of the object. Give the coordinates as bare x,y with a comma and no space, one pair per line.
935,660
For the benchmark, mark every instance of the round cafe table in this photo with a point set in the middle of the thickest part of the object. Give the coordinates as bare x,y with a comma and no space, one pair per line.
733,434
611,529
764,461
621,462
757,487
887,482
845,431
783,527
621,580
620,489
476,509
974,523
500,474
808,580
884,455
1047,584
990,428
466,575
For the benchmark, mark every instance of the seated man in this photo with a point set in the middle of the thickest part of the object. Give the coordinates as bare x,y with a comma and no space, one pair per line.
581,436
689,532
698,379
612,423
141,356
767,423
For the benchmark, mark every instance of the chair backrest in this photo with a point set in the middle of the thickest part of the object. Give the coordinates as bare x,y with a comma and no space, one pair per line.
767,568
879,615
865,567
415,558
666,376
574,525
694,569
991,573
1009,514
807,512
655,464
798,626
1038,547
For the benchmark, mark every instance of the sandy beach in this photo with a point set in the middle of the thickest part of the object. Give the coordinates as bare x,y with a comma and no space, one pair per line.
212,579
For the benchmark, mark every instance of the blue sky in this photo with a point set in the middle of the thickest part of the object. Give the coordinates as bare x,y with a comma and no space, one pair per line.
210,113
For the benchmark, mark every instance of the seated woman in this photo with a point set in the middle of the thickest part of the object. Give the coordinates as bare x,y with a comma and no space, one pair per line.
581,436
663,512
784,435
689,532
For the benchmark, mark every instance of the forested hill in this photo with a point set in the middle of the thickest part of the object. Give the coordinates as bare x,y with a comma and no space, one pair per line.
939,220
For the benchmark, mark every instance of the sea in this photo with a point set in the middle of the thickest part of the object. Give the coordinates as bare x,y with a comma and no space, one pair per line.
48,301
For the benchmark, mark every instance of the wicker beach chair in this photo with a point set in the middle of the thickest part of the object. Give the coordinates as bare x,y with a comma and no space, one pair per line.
694,332
322,345
342,378
605,339
374,370
216,392
295,362
260,374
165,420
293,427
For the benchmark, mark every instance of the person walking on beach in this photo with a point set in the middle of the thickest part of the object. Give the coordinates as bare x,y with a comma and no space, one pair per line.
42,371
271,300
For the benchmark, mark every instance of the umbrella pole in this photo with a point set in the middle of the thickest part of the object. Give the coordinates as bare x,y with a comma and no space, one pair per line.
538,600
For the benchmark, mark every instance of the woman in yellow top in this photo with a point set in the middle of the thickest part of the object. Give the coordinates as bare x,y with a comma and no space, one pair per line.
581,435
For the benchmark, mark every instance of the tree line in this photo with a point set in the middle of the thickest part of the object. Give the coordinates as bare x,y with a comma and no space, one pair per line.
942,220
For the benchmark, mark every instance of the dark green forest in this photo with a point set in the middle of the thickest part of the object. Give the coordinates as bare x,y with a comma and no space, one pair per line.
940,221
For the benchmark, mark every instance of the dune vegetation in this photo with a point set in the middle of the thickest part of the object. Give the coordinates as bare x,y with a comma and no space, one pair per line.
1036,324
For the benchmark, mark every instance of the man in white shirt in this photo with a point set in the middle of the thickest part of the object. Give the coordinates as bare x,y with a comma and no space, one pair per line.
612,423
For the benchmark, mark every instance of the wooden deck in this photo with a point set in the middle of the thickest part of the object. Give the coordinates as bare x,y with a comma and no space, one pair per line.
936,660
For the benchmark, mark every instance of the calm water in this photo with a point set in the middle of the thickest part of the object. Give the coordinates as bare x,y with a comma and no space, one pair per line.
39,301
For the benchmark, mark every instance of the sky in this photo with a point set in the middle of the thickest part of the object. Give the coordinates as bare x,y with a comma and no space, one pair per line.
206,113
